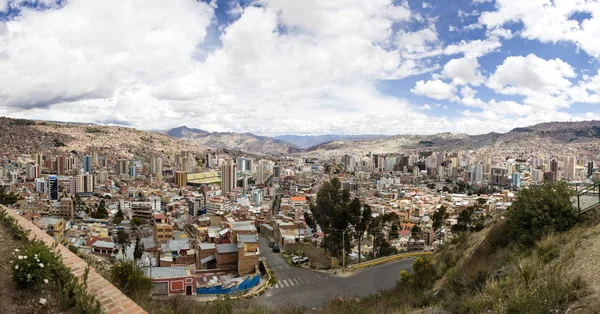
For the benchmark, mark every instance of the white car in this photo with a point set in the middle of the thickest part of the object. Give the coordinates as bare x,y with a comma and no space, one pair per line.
299,259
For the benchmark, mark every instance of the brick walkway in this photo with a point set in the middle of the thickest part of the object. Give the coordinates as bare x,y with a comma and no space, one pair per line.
112,300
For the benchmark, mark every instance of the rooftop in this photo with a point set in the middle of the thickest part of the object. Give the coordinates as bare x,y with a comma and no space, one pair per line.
227,248
166,272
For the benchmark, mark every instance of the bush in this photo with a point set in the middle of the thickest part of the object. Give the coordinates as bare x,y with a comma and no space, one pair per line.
541,210
131,279
32,267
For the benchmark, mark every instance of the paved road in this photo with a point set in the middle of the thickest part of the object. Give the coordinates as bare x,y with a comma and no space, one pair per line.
304,287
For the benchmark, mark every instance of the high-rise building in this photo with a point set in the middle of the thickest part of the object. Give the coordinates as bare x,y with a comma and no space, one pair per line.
102,176
477,173
554,166
181,179
516,180
34,172
570,168
41,186
60,165
590,168
276,171
228,176
156,165
132,171
84,184
87,164
69,163
122,166
39,160
244,164
53,187
260,173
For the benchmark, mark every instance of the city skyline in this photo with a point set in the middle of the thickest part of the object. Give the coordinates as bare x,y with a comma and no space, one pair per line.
273,67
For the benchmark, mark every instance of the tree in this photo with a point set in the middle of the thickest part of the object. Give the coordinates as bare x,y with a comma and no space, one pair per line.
131,279
138,251
309,221
136,221
122,241
415,232
7,198
362,226
464,220
119,216
101,212
335,211
439,216
541,210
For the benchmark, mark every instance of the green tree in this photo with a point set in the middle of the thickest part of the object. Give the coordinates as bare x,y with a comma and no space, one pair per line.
309,221
541,210
131,279
122,241
7,198
136,221
138,251
439,216
415,232
101,212
335,211
362,226
119,216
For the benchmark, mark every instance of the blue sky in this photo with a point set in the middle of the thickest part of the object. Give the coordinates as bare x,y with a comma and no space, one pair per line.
275,67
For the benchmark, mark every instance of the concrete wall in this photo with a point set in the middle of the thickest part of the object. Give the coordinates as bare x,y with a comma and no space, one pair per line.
315,254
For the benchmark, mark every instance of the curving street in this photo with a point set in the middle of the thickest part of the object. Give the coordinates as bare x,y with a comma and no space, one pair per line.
304,287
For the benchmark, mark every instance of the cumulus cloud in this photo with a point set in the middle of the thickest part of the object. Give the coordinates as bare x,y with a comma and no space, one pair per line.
463,71
550,21
278,67
435,89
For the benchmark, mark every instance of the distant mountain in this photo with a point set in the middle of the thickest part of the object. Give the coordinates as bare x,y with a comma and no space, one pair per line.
246,142
184,131
307,141
574,137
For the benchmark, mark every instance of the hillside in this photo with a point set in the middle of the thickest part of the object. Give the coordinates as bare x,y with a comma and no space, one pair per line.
307,141
245,142
581,136
30,137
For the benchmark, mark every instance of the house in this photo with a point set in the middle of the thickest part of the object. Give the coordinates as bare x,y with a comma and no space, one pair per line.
172,280
55,227
103,248
248,253
227,256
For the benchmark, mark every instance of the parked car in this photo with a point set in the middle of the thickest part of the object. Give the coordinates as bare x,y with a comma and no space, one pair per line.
275,249
299,259
271,244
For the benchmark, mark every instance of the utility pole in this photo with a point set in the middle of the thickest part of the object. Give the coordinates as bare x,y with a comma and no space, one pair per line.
344,249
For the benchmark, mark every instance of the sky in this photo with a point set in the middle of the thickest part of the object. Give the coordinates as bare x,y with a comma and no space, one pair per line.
273,67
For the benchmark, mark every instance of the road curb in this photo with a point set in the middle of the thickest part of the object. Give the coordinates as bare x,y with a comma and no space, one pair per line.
387,259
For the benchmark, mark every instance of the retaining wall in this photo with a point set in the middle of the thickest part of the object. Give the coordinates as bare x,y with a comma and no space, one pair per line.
112,300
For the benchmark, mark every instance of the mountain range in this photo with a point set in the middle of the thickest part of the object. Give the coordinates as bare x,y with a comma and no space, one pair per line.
573,134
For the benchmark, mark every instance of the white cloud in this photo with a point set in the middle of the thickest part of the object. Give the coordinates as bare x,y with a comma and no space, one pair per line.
463,71
435,89
481,1
473,49
426,5
4,6
550,21
420,41
529,75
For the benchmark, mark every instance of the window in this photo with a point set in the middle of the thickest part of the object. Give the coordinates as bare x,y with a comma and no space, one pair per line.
160,236
160,230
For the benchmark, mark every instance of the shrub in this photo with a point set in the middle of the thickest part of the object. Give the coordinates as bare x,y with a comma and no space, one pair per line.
131,279
32,267
541,210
